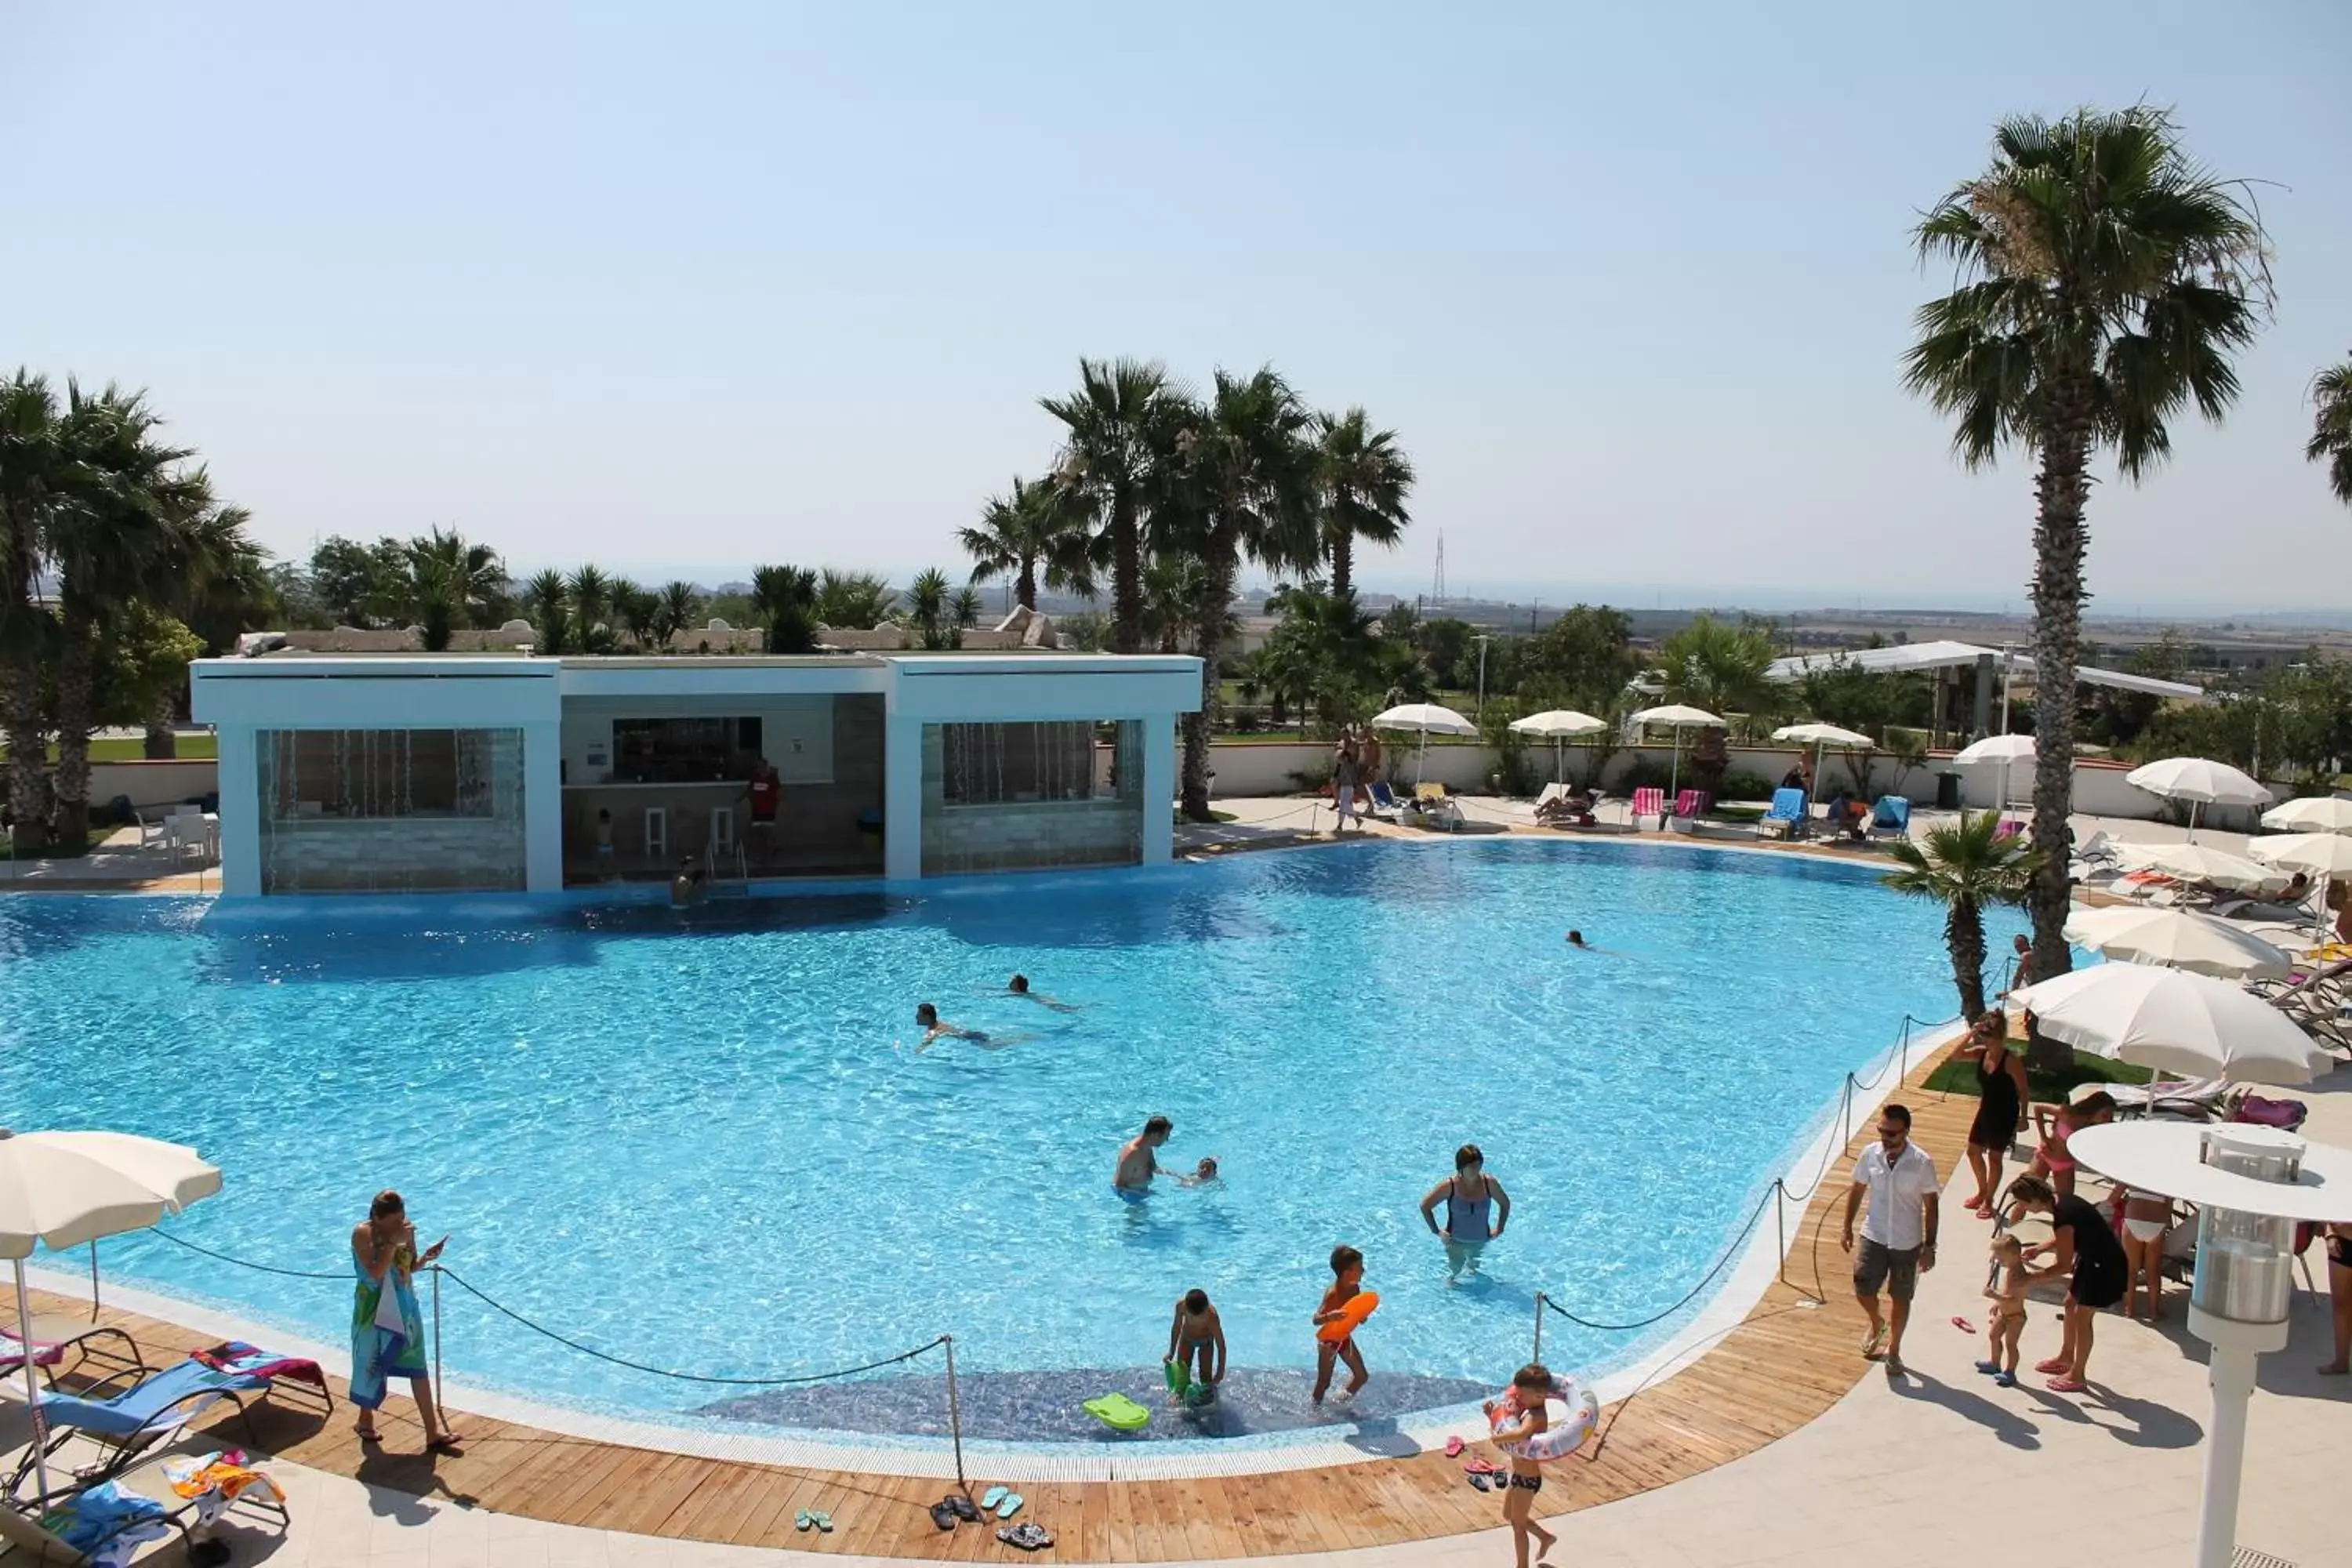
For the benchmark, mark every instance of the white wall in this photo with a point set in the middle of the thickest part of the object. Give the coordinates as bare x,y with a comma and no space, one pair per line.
152,783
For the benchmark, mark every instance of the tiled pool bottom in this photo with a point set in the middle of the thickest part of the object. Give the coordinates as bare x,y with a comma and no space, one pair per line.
1049,1406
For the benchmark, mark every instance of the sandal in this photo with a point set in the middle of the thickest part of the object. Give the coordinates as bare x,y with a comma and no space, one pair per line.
961,1506
1873,1343
2067,1386
1453,1447
942,1515
1964,1325
2056,1364
444,1444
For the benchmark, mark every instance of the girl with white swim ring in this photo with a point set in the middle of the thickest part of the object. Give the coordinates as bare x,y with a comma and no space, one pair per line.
1522,1427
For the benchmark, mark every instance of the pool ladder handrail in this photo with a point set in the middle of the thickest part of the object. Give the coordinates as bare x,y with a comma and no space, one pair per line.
742,881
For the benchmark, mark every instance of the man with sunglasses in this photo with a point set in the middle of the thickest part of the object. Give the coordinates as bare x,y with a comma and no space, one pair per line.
1898,1233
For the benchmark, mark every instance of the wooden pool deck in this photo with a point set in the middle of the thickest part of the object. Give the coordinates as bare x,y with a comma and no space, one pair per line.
1794,1355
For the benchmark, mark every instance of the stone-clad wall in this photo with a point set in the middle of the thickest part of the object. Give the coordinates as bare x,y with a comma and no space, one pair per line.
412,854
1029,835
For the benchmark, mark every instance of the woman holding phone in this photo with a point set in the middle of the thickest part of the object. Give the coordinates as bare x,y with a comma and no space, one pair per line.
387,1329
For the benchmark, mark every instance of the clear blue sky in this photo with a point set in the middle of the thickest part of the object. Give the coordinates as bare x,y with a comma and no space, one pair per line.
679,289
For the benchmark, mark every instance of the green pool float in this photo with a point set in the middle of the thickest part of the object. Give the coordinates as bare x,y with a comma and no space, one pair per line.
1118,1412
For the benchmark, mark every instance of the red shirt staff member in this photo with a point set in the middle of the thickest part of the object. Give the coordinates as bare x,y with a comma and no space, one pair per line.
765,792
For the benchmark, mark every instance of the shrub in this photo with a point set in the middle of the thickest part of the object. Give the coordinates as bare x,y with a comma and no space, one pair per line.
1741,784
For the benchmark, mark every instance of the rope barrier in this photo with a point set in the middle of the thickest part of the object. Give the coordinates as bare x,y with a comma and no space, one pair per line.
247,1262
1704,1280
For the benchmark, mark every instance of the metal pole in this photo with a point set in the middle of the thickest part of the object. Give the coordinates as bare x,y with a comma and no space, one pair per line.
94,1280
1537,1357
440,1409
2231,1373
955,1413
1779,1230
1483,640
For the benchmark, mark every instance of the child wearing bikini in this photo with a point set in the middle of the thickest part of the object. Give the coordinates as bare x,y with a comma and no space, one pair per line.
1346,1284
1196,1350
2006,1290
2147,1216
1530,1387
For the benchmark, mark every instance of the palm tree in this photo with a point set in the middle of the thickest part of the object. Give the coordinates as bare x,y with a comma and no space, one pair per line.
638,611
470,577
1249,468
1037,532
964,612
786,599
36,469
680,603
218,582
2105,281
591,609
1322,650
549,598
1718,666
852,599
1966,866
111,546
1365,478
1114,445
927,607
2331,427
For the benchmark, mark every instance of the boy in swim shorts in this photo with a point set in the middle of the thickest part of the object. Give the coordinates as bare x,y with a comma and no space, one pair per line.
1346,1284
1530,1386
2006,1290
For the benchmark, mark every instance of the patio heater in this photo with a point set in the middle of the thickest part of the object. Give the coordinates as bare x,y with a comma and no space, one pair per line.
2250,1185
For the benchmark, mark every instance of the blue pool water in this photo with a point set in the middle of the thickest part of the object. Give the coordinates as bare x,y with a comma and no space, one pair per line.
704,1141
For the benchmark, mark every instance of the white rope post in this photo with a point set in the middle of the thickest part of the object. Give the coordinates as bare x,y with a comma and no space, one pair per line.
955,1414
1780,1231
440,1408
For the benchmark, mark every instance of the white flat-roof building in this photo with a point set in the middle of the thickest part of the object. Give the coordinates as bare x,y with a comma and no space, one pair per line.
447,771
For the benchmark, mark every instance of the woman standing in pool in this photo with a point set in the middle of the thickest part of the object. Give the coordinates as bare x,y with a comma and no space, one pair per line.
387,1329
1468,1195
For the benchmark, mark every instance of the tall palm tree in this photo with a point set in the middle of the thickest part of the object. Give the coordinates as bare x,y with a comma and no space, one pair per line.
2331,427
1037,532
591,609
1249,464
1966,866
111,547
1365,478
1115,433
680,603
469,577
786,598
35,471
2105,281
549,599
1329,640
216,581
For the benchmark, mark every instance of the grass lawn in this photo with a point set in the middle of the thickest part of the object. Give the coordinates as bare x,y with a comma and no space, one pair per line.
193,749
1959,1077
55,852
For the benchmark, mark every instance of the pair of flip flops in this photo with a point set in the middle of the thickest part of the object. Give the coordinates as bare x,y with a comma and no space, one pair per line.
951,1508
814,1518
1002,1502
1028,1535
1480,1471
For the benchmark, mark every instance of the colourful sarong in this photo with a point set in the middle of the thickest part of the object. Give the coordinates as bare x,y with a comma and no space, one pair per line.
379,1356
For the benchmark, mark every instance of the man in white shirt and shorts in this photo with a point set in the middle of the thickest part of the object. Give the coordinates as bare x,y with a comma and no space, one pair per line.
1898,1233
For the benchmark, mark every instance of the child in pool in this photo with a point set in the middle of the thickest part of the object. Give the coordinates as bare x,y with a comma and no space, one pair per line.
1206,1172
1346,1284
2006,1290
1525,1403
1196,1350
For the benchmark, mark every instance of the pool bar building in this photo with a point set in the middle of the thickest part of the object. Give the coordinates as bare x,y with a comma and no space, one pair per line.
460,772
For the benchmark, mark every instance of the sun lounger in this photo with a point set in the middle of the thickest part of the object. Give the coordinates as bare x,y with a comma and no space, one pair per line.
2317,1000
1691,805
1787,817
2197,1098
85,1518
54,1338
1890,817
1436,806
1649,800
1385,802
149,1410
1560,806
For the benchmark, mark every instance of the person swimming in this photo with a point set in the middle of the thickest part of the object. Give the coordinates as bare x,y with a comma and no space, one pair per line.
1019,986
1205,1172
1136,1164
934,1028
1576,939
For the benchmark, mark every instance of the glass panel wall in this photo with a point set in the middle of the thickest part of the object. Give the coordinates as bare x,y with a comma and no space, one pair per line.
1029,796
391,810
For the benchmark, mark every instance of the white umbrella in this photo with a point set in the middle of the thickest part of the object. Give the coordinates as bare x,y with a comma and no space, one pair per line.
2198,863
2175,1023
1680,717
2181,937
2321,854
1819,737
2312,813
61,1189
2200,782
1425,717
1556,724
2002,749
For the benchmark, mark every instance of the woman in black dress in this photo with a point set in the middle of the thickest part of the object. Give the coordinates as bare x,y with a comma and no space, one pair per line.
2001,1105
2084,1248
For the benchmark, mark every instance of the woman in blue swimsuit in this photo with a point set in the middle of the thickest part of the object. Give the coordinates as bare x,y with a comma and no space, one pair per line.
1477,1209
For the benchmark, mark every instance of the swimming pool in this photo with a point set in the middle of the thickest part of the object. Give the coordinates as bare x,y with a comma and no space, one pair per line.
704,1141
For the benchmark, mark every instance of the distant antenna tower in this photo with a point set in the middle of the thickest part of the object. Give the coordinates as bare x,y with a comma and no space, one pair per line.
1437,584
